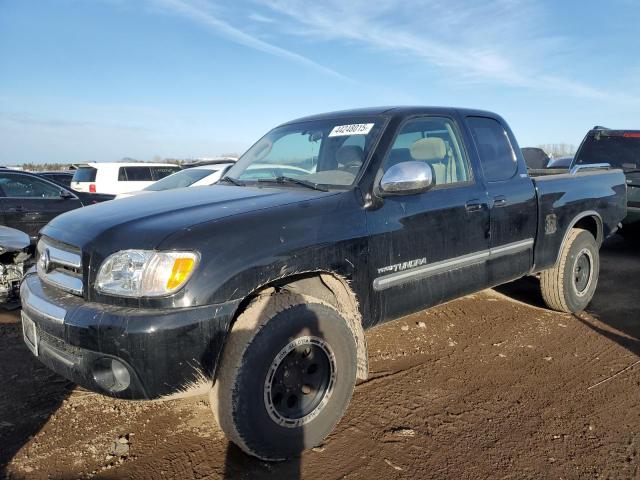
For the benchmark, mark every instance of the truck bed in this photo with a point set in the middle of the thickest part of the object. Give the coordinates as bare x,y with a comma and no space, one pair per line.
563,198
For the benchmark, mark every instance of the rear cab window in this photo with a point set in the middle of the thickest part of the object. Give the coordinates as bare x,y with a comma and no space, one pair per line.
497,156
617,148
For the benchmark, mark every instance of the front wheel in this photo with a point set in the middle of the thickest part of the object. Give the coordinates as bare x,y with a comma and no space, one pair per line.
569,285
286,376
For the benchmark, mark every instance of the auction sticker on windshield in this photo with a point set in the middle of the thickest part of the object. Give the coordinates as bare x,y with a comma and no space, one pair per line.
353,129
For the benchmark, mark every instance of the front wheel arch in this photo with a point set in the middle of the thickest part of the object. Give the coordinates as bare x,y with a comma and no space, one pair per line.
327,287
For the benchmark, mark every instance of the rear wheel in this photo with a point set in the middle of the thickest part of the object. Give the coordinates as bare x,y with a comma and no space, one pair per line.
569,286
286,376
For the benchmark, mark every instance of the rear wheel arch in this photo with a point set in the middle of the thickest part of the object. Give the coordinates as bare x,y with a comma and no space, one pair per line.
591,221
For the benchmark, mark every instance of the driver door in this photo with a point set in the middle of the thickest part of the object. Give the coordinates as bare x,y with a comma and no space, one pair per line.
429,247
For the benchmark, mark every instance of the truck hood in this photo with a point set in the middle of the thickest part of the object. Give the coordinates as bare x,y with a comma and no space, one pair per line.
143,221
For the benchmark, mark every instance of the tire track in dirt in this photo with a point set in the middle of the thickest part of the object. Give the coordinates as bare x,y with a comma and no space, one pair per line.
486,386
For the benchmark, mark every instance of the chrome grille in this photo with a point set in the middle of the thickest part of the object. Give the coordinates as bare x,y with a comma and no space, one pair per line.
60,265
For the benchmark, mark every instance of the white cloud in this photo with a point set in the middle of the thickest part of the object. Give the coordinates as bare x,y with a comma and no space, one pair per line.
256,17
503,42
205,14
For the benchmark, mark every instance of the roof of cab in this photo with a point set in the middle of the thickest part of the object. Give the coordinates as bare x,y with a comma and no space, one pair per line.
392,111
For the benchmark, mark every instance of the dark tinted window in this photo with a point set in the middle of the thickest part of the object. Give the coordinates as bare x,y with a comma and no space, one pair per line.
535,158
496,154
135,174
619,151
144,174
26,186
85,174
63,178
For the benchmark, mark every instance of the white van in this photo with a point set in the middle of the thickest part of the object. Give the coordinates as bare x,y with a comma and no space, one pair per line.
114,178
202,174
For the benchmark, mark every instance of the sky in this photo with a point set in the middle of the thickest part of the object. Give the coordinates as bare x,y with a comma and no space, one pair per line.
99,80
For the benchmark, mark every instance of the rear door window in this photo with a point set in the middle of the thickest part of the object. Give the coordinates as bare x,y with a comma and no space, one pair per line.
135,174
85,174
497,156
144,174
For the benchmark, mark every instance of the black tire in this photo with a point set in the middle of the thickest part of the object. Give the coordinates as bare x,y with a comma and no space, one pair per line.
268,361
569,286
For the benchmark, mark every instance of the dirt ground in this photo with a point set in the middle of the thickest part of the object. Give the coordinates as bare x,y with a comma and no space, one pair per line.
489,386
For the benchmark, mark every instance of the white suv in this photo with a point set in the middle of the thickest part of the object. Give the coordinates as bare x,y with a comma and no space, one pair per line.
115,178
202,174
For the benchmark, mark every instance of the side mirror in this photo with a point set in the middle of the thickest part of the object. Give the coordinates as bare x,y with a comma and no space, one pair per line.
406,178
65,195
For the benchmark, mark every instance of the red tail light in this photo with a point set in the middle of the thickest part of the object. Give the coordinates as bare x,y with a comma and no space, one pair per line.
92,188
631,135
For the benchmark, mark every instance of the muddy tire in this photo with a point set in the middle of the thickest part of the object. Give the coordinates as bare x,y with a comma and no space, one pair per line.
286,375
569,286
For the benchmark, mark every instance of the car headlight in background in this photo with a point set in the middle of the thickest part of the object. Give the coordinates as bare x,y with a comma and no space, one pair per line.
145,273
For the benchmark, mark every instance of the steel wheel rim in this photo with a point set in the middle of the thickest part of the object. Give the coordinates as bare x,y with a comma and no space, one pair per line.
300,381
582,272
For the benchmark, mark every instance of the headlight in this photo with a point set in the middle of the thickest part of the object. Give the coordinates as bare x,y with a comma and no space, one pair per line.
145,273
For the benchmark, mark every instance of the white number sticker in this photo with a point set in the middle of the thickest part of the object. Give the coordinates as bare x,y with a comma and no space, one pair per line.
353,129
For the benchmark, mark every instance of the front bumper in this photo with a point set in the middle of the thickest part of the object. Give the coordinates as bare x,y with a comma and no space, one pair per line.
164,351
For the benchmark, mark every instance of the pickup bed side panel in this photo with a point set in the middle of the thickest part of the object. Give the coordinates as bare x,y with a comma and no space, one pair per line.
565,199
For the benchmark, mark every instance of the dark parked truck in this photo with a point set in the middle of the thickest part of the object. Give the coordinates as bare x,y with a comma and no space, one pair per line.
259,289
620,149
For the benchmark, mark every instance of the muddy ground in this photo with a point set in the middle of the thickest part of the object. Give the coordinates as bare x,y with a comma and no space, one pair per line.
489,386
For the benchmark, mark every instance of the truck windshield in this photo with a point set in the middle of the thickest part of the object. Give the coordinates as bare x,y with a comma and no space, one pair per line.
619,151
328,152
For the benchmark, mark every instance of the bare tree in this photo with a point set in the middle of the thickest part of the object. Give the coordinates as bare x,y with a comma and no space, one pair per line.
555,150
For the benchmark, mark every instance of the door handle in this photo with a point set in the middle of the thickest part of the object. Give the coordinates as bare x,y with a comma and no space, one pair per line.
499,201
473,206
19,209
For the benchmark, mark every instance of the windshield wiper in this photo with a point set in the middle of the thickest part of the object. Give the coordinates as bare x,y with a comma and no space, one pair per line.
234,181
297,181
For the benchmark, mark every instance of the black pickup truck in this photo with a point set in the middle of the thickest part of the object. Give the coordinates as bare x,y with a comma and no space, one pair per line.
620,149
258,290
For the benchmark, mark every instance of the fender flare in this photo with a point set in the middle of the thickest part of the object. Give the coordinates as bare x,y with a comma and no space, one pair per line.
576,219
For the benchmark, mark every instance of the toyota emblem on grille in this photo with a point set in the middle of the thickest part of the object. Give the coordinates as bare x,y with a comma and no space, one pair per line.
45,260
